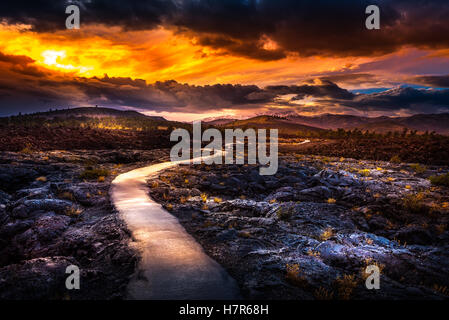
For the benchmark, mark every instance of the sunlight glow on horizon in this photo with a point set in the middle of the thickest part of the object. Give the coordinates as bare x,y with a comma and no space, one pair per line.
52,58
156,55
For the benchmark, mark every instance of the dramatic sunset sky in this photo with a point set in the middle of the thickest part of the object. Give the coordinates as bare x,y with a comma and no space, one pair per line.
186,59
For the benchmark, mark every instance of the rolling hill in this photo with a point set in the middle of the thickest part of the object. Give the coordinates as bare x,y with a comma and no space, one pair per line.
285,126
85,128
92,112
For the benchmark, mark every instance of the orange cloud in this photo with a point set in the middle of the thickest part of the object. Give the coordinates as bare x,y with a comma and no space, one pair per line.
155,55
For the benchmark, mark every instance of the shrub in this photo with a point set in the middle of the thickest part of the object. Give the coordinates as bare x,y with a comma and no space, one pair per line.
26,150
313,253
183,199
93,173
284,213
294,275
441,289
395,159
67,196
418,168
73,211
365,172
345,286
441,180
328,233
155,184
323,294
414,203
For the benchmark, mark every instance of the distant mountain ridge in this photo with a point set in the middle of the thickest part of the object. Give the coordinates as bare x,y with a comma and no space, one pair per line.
284,125
289,121
420,122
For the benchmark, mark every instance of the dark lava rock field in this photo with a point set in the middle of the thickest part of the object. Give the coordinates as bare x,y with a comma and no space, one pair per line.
310,231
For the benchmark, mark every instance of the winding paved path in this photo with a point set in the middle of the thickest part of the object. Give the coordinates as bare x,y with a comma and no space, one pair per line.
173,264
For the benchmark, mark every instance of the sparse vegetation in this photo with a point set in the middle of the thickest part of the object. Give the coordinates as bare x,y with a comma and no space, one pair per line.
93,173
26,150
183,199
441,289
395,159
345,286
285,213
318,233
323,294
364,172
73,211
294,275
67,196
327,234
441,180
415,203
155,184
418,168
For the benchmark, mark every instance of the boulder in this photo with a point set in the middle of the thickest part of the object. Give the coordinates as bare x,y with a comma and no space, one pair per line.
36,279
12,177
414,235
29,207
50,226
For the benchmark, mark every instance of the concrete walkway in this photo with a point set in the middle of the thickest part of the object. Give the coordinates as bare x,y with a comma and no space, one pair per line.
173,264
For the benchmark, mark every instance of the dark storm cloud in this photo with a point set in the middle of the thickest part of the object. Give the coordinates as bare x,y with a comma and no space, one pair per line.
247,48
324,89
26,87
48,15
15,59
415,100
242,27
352,79
391,101
319,27
432,81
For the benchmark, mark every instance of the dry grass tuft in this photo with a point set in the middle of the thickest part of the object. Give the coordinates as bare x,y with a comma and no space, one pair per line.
327,234
294,276
323,294
345,286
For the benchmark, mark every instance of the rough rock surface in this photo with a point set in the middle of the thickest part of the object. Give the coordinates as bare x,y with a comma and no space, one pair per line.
53,216
310,231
